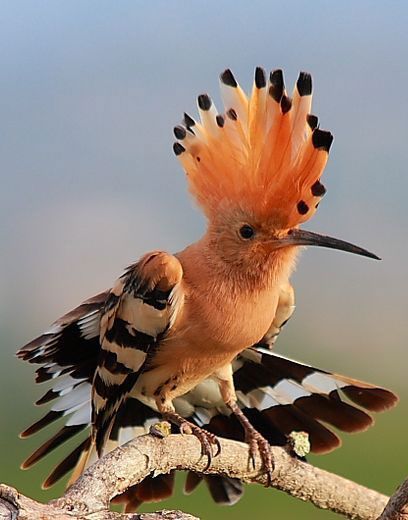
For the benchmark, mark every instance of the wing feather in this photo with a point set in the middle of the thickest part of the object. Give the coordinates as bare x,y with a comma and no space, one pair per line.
139,311
69,353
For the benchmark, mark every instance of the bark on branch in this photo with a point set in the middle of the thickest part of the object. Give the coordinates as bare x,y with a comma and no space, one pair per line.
89,497
397,507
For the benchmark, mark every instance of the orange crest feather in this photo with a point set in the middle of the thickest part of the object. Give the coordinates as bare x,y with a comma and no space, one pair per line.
265,154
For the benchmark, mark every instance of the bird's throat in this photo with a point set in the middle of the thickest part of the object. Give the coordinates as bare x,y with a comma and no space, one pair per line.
263,271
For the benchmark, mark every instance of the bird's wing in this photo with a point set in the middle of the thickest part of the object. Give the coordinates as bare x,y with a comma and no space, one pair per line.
280,395
111,332
68,354
139,311
285,309
68,345
70,351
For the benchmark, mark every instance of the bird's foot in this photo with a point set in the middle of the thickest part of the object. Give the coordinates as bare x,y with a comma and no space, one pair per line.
208,440
256,443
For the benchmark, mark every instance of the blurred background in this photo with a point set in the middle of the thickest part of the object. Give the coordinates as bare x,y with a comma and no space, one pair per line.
90,92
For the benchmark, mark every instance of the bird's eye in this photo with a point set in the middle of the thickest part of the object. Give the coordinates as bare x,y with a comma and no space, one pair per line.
246,231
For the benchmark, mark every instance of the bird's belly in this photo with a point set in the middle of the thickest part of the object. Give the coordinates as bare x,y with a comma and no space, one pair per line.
180,367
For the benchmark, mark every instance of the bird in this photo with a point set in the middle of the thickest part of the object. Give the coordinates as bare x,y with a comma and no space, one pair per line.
188,337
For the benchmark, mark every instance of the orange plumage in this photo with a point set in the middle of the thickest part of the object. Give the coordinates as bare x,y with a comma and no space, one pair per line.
264,154
188,336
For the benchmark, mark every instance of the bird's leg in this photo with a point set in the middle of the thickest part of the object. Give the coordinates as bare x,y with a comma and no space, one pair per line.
254,439
208,440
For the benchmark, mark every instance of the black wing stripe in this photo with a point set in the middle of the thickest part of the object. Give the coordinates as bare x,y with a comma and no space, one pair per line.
47,419
123,335
289,418
109,360
60,437
67,464
373,399
63,385
50,395
336,412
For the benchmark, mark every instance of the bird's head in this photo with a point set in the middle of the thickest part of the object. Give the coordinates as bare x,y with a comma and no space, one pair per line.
255,169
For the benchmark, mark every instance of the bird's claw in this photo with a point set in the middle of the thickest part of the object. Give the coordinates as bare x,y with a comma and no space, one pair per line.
258,443
207,440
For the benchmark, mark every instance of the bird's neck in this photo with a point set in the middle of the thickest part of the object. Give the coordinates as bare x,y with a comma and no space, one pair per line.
256,274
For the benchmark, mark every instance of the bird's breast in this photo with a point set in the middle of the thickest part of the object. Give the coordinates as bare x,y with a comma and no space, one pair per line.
232,322
208,334
218,325
221,316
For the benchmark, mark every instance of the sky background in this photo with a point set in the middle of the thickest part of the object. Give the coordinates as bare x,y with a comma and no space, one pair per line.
90,92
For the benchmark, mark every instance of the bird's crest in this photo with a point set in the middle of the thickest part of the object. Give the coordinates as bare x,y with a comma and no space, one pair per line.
264,154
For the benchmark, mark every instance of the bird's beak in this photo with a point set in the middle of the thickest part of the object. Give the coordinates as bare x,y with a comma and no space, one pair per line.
300,237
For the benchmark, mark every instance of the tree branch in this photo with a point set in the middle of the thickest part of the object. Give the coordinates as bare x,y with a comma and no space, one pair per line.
397,507
89,497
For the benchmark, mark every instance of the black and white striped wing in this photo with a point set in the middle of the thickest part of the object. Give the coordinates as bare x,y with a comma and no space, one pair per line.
139,310
68,354
280,395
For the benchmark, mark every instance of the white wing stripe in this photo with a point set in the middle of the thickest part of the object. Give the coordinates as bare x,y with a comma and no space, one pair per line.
89,325
261,399
77,396
81,416
322,383
290,390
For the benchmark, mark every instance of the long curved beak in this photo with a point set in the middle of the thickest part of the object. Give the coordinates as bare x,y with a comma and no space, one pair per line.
300,237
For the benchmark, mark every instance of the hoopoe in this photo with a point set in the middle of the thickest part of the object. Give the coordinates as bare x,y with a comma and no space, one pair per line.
188,336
